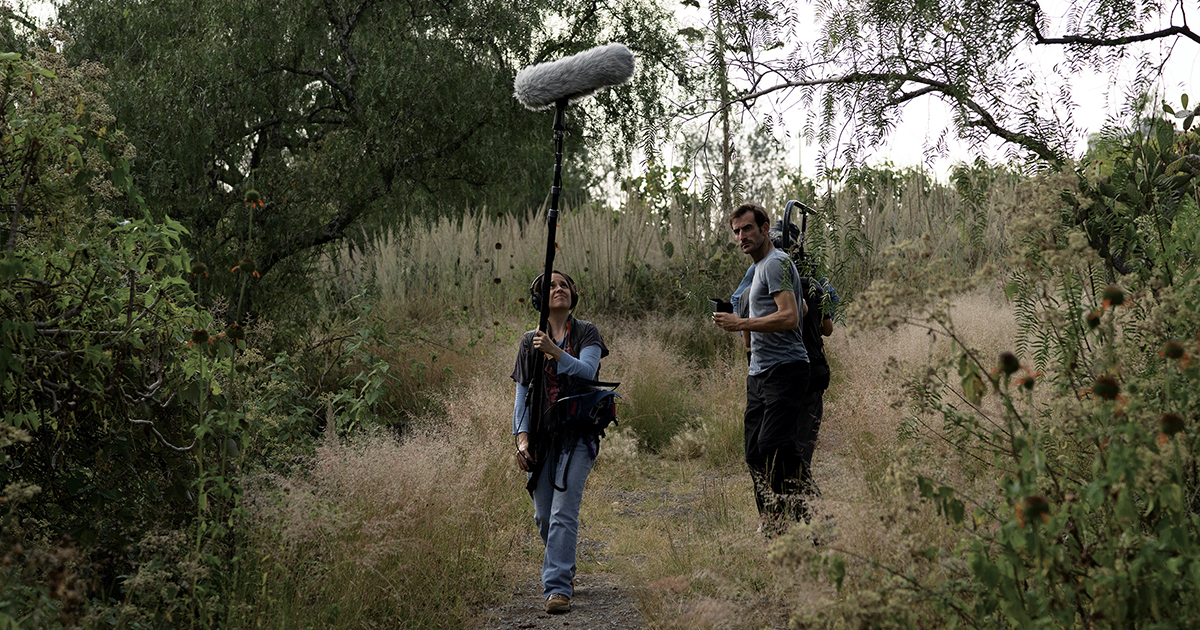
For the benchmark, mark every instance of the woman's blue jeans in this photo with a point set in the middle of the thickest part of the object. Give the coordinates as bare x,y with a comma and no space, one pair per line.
557,515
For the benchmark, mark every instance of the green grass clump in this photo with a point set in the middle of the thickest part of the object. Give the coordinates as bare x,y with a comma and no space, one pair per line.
658,388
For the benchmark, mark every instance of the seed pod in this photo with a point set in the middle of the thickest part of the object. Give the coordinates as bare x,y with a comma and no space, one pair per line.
199,268
1009,362
1107,387
199,335
1093,319
235,332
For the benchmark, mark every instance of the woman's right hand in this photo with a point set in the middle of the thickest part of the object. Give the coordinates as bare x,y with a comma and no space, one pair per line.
524,457
545,344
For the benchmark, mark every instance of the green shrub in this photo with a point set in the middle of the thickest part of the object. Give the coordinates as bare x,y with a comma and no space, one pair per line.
94,311
127,410
1095,520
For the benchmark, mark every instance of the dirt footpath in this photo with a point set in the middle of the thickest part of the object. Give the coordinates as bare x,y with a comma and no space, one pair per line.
600,602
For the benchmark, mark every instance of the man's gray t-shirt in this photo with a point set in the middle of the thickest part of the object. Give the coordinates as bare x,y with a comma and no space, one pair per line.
774,273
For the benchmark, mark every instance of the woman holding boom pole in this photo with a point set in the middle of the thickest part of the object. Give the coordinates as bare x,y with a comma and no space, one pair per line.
557,465
558,462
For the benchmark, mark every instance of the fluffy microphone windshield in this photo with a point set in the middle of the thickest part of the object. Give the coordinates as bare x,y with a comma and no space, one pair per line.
539,87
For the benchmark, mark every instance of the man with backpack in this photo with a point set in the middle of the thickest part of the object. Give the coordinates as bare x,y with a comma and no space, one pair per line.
820,300
778,373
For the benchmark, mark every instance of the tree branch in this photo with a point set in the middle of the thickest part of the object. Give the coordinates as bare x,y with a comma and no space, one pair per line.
346,93
1174,31
587,16
162,439
1103,42
984,120
334,229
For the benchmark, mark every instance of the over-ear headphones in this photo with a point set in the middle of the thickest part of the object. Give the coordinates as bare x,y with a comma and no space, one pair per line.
535,291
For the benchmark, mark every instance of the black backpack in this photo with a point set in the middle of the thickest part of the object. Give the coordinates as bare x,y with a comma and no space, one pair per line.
814,343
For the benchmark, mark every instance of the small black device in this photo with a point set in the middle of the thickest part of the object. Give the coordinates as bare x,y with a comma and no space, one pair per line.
720,306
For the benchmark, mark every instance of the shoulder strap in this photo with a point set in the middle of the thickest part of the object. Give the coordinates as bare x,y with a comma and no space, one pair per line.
812,329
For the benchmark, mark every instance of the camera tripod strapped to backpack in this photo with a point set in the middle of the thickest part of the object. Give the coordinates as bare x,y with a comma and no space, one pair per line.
789,238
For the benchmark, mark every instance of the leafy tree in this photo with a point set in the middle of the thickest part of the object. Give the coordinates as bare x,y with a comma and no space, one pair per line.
872,59
741,160
348,115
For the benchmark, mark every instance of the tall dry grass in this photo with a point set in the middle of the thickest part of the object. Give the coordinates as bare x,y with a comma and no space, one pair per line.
486,262
862,221
389,528
483,263
659,397
683,525
861,463
398,530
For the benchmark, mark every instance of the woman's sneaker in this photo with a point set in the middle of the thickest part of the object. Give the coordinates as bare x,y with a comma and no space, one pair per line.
558,603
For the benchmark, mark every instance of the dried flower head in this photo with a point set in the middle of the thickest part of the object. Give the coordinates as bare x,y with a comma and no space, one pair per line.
1107,387
1009,363
1113,295
247,265
1171,423
253,199
1032,508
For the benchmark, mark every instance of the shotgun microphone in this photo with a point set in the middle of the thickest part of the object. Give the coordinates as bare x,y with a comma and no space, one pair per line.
575,77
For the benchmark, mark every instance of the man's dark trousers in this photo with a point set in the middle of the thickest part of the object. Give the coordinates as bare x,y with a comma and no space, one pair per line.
814,409
774,420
